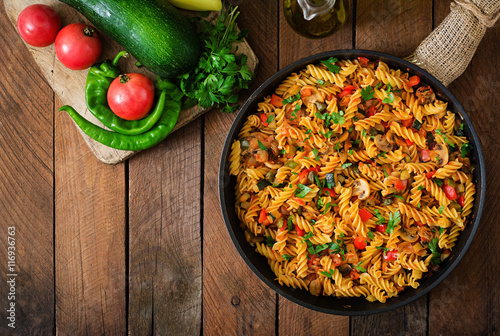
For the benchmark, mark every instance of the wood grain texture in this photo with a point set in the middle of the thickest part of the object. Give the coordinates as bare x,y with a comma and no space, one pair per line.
471,294
90,237
69,85
397,28
164,237
295,319
393,27
26,189
235,301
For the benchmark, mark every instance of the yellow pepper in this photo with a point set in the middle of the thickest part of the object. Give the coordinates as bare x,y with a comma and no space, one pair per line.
198,5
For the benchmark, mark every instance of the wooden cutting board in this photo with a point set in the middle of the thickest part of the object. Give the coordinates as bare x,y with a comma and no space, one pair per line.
69,85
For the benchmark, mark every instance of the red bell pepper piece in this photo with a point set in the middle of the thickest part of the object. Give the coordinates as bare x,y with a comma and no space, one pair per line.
461,201
276,100
450,192
363,60
263,117
414,80
365,214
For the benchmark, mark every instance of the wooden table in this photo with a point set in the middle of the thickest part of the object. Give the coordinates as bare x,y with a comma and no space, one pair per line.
141,247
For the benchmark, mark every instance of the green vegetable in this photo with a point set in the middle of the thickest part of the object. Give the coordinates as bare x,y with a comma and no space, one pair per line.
155,135
157,34
292,164
302,190
393,222
330,64
99,78
261,145
367,93
263,184
465,149
389,99
219,72
434,247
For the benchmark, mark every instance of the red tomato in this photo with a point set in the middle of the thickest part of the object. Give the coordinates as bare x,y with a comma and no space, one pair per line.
418,223
391,255
78,46
263,117
276,100
414,80
131,96
409,142
372,110
329,192
430,174
360,243
398,184
263,217
347,91
365,214
300,232
305,92
407,122
426,155
363,60
450,192
381,228
38,25
461,201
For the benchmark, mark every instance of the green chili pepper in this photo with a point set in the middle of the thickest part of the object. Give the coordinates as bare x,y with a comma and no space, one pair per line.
99,78
156,134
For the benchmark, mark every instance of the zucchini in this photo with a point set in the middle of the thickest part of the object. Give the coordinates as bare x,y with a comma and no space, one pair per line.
153,31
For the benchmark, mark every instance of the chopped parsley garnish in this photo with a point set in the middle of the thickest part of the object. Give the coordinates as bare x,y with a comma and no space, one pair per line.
261,146
385,173
465,149
335,247
389,99
445,138
441,209
329,63
316,154
399,196
359,268
433,246
381,219
367,93
283,151
321,82
370,235
347,164
328,206
289,223
389,87
439,182
270,119
263,184
302,190
393,222
337,147
287,257
270,241
291,99
420,188
309,235
441,230
350,151
461,127
328,274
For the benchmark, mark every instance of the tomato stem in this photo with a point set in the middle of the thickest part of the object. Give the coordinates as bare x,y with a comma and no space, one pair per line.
121,54
124,79
88,31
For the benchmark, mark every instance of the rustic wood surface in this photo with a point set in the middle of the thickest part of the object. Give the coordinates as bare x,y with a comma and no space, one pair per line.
140,248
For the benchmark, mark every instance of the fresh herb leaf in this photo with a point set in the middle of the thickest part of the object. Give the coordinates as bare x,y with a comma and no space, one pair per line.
439,182
291,99
385,172
420,188
328,274
315,152
309,235
381,219
359,268
393,222
465,149
441,209
334,247
287,257
321,82
261,145
329,63
461,127
270,119
434,247
445,138
441,230
399,196
290,223
350,151
219,73
389,87
270,241
389,99
302,190
328,206
345,165
283,151
367,93
370,235
263,184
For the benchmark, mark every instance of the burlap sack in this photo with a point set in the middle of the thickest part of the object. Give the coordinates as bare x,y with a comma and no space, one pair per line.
447,51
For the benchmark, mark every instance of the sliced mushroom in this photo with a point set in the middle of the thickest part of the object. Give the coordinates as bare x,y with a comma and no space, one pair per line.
382,143
361,189
409,235
425,95
314,97
345,269
315,287
390,136
440,155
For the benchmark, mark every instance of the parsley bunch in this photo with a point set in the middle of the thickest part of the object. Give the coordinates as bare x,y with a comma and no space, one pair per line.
219,73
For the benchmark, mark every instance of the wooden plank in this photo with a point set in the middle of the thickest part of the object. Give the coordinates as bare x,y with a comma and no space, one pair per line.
26,191
90,237
394,27
165,240
235,301
471,292
295,319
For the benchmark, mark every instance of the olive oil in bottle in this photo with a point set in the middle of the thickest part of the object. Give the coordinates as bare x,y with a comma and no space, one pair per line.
315,18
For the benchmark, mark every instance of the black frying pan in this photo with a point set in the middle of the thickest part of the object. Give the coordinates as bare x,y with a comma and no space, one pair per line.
348,306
